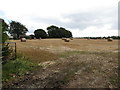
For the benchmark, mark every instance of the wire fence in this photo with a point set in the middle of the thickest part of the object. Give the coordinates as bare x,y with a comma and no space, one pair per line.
8,47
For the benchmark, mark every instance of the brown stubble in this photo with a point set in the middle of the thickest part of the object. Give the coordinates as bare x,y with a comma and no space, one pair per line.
50,49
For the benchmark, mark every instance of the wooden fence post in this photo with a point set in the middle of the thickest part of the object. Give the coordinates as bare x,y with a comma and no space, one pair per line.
15,51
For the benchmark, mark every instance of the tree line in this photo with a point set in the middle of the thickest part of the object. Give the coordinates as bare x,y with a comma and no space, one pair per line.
18,30
52,32
113,37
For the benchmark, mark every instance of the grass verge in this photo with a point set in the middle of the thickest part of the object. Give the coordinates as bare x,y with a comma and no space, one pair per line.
15,68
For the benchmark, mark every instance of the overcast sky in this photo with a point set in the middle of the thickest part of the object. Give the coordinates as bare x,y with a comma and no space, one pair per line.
81,17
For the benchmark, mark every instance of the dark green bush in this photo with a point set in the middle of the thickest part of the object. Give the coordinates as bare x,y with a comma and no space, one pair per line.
6,53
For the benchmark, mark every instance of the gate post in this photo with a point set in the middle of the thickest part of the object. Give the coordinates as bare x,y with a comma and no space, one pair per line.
15,51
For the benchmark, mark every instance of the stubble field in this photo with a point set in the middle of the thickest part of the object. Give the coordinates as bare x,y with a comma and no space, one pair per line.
80,63
50,48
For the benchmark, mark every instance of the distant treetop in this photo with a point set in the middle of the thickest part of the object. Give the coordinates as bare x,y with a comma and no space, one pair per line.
56,32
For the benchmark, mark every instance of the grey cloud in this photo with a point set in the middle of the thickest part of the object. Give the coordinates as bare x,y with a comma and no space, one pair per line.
82,20
47,20
94,18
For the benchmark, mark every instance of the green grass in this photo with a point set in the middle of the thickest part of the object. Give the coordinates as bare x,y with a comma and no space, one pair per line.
71,70
69,76
114,81
68,53
104,54
15,68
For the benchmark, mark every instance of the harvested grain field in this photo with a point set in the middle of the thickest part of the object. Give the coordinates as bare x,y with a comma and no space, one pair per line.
79,63
45,48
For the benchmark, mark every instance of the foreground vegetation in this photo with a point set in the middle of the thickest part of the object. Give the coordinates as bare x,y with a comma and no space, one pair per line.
16,68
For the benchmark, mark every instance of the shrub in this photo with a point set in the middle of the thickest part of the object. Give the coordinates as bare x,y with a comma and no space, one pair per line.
6,53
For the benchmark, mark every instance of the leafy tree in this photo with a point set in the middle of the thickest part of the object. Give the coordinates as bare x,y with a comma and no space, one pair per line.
6,50
27,37
4,30
40,33
53,31
32,36
65,33
69,34
56,32
115,37
17,29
